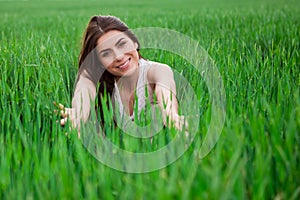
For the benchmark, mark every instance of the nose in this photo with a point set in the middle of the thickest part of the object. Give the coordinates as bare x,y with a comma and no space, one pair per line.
119,55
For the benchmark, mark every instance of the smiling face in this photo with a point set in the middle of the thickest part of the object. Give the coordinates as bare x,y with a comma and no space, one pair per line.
118,53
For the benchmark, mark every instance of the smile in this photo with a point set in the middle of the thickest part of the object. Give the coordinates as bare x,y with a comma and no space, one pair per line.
124,65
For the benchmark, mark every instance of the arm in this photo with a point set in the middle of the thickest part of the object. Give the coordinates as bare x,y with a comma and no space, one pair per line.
85,91
165,90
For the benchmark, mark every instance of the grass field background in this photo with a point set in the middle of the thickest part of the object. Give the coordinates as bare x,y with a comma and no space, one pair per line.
255,46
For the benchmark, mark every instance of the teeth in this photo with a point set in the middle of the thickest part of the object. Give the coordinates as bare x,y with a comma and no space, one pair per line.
122,66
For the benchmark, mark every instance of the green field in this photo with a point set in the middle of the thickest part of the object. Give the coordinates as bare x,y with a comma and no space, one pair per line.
255,46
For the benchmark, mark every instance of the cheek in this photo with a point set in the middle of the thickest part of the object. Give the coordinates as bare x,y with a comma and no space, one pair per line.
105,63
137,55
134,54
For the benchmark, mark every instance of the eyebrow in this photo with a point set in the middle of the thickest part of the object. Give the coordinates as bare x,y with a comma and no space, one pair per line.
118,42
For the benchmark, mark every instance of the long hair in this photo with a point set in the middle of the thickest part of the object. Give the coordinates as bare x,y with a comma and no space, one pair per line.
97,26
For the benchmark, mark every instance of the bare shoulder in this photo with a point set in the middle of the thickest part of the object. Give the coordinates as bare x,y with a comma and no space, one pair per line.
159,66
159,71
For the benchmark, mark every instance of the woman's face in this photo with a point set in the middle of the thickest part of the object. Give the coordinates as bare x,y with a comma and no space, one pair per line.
118,53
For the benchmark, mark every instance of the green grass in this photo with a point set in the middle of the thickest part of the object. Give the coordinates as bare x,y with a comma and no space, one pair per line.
255,46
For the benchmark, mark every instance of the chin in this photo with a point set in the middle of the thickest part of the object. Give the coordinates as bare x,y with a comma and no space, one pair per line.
130,71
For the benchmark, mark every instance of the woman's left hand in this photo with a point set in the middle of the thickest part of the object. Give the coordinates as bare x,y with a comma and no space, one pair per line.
176,120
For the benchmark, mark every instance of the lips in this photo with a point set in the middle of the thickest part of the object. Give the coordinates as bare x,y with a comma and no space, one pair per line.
124,65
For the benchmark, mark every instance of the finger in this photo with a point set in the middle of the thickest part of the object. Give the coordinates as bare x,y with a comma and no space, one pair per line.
63,114
61,106
187,134
69,111
63,121
186,124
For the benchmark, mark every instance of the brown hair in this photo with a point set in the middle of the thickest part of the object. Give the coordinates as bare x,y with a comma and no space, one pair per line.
97,26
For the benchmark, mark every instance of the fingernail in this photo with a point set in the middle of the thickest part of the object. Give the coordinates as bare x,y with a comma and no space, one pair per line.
61,106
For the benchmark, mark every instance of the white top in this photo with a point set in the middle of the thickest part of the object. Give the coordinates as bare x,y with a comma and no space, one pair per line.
142,83
85,91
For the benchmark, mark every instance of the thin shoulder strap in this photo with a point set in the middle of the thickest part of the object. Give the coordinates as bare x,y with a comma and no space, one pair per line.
142,84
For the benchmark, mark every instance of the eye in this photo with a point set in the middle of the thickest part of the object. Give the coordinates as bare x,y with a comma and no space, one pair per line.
121,44
105,54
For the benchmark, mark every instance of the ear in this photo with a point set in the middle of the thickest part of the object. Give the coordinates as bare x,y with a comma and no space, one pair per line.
136,45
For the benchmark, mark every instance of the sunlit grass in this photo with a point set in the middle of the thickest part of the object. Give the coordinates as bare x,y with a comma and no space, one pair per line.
256,49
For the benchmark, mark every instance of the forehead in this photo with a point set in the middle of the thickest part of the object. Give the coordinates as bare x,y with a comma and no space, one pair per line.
110,38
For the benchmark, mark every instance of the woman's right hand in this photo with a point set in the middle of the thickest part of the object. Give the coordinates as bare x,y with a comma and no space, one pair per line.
65,114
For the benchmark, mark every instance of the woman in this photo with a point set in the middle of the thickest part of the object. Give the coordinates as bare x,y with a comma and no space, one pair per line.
110,58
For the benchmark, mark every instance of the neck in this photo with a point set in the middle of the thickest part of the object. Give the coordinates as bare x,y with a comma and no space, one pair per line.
128,83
